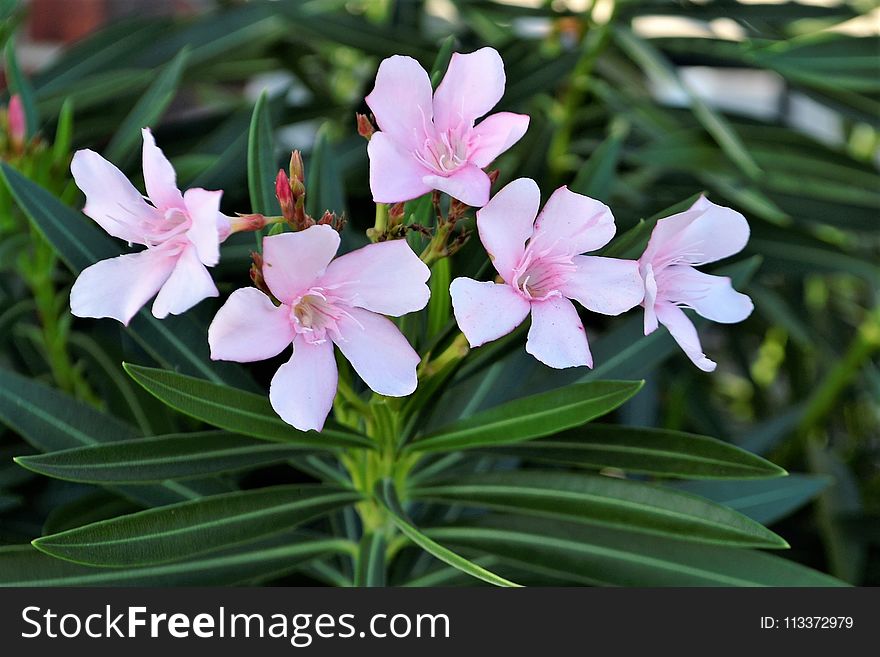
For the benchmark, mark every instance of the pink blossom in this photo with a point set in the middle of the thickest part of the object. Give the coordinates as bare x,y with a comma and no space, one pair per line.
17,122
325,303
704,233
181,233
428,140
542,276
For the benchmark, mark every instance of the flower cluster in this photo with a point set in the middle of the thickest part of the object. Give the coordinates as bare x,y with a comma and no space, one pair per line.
428,142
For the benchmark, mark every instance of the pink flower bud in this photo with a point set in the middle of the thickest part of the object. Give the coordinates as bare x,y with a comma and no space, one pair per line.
17,122
284,194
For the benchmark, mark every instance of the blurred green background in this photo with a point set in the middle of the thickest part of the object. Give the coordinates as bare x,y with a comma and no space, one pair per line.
770,107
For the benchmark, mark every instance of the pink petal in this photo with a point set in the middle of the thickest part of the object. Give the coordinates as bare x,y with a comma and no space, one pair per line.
605,285
713,297
650,298
386,277
685,334
486,311
557,337
706,232
203,208
188,284
473,84
292,262
469,184
249,327
303,389
573,223
159,177
401,101
505,223
111,200
379,353
119,287
395,175
495,134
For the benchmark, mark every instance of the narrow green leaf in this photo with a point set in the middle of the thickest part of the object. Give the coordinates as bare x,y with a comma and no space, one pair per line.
388,498
642,450
177,342
764,501
25,566
63,134
19,84
591,556
603,501
531,417
188,529
261,160
370,571
156,459
235,410
324,182
440,303
441,63
147,110
596,176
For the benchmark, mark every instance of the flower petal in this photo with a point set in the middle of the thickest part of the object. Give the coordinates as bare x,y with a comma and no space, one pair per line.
159,177
473,84
379,353
395,175
573,223
713,297
685,334
249,327
650,298
469,184
506,221
188,284
119,287
386,278
292,262
486,311
605,285
704,233
495,134
303,389
203,208
111,200
401,101
557,337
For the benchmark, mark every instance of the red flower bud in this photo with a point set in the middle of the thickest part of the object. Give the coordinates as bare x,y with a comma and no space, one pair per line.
365,126
284,194
17,121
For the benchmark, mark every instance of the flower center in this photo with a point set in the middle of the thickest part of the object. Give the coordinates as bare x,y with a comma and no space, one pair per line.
540,275
316,315
446,153
173,224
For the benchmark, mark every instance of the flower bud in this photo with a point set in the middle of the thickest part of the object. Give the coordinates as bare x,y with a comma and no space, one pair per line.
256,274
17,122
297,170
284,194
365,126
396,213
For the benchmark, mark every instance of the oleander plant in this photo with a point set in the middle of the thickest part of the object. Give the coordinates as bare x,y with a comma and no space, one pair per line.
373,294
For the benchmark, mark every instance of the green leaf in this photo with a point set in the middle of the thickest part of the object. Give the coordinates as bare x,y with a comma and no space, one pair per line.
642,450
156,459
370,571
763,501
63,134
51,420
147,110
441,63
440,303
324,182
235,410
25,566
591,556
388,499
531,417
178,342
187,529
603,501
261,164
596,177
18,84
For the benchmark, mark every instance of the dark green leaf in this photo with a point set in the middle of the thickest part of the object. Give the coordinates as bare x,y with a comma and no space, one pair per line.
261,164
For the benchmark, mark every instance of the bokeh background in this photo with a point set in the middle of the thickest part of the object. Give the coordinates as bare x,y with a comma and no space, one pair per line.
769,107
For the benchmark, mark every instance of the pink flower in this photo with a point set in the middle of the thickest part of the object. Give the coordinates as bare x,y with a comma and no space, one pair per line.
541,276
325,303
704,233
428,140
182,233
